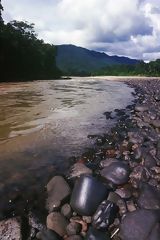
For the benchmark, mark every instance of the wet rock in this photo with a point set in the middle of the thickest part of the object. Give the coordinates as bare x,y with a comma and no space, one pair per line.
124,192
108,115
84,201
58,190
83,224
158,150
115,198
87,219
34,222
73,228
78,169
94,234
141,108
156,169
10,229
57,223
117,173
138,153
107,162
138,175
135,137
155,234
149,197
156,123
131,206
74,237
149,160
105,215
66,210
48,235
138,224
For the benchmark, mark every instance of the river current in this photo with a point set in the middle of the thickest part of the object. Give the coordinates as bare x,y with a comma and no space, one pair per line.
43,123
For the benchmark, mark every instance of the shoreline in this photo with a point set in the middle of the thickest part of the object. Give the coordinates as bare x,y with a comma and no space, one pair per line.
137,136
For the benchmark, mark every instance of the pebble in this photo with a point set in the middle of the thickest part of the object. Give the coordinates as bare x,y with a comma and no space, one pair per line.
139,224
117,172
48,235
10,229
105,163
138,175
131,206
105,215
57,223
141,108
74,237
149,197
88,193
58,190
66,210
73,228
78,169
124,192
156,123
149,160
94,234
87,219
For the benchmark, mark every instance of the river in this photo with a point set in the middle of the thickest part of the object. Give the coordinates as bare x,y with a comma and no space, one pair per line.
43,123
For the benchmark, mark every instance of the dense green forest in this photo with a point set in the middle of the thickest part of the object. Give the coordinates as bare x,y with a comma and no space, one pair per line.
139,69
23,56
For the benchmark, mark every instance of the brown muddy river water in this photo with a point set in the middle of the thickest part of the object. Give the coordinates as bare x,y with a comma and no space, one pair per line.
43,123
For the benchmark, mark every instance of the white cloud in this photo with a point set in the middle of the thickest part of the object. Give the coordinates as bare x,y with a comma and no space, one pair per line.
123,27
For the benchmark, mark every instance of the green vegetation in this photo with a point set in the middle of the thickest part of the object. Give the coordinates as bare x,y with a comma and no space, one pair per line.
73,60
140,69
23,56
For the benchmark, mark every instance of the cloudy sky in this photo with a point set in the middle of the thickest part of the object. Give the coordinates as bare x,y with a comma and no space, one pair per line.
122,27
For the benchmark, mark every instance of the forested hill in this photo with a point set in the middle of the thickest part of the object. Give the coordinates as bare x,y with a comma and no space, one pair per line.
80,61
23,56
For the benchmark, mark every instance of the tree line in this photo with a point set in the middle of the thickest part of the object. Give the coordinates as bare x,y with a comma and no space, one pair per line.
23,56
140,69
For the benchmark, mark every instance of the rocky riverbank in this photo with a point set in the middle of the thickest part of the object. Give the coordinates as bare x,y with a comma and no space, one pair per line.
111,191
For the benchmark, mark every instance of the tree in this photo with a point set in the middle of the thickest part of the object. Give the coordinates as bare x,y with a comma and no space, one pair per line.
23,56
1,9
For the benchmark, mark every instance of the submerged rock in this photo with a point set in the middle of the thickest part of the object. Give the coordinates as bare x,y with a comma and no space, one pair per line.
87,194
139,224
117,173
10,229
57,223
57,189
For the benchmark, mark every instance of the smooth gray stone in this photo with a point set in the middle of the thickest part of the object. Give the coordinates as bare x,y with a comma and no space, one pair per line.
139,224
117,173
149,197
57,189
57,222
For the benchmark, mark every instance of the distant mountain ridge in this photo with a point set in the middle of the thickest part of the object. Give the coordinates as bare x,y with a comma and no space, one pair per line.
72,60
